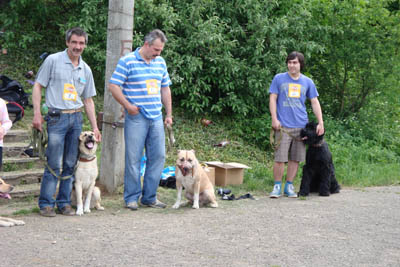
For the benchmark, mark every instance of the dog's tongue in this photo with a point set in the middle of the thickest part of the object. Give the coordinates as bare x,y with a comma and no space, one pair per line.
5,195
90,145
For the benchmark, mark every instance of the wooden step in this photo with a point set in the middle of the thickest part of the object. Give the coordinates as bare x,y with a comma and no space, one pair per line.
14,149
19,163
14,136
23,176
16,160
26,190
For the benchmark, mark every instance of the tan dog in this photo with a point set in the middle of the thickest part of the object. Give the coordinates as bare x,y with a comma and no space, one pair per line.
190,174
86,174
5,189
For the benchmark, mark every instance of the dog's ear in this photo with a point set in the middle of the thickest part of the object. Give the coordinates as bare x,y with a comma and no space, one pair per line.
81,136
193,151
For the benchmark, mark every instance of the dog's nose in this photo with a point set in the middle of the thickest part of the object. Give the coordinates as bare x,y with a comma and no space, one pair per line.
11,188
185,169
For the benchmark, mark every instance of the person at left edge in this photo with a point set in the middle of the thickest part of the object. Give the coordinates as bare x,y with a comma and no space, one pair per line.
69,87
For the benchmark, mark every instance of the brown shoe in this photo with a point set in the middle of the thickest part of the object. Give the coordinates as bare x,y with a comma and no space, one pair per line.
67,210
47,212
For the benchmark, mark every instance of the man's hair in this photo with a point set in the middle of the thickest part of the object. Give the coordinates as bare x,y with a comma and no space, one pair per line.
154,35
77,31
299,56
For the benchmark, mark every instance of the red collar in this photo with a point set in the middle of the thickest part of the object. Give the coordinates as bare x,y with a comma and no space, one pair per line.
86,160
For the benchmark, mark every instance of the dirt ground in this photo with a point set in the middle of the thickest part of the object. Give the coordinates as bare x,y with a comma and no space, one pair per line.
358,227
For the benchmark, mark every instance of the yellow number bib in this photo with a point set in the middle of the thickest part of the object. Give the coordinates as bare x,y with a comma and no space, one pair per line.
152,87
69,93
294,90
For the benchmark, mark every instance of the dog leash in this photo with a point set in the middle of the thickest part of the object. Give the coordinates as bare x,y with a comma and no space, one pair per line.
38,142
80,159
59,177
276,144
171,138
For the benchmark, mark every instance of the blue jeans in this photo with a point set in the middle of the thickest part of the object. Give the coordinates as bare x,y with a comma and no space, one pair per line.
62,153
142,133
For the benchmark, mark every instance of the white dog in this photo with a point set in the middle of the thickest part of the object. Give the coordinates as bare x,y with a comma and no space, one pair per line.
5,189
190,174
86,174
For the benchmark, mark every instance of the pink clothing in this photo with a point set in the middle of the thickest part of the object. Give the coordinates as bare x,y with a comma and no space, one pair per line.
5,122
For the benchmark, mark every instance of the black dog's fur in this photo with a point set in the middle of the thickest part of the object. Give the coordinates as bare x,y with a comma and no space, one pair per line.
318,172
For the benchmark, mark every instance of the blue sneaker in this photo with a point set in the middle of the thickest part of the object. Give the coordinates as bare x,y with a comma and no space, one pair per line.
276,193
289,190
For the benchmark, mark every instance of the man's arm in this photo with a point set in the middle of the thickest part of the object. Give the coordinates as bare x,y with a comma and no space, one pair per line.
272,109
91,113
36,98
167,102
316,107
120,98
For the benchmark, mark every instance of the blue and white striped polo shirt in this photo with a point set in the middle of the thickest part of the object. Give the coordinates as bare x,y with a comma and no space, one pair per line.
141,82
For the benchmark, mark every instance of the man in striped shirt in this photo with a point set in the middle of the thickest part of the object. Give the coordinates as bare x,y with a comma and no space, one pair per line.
143,77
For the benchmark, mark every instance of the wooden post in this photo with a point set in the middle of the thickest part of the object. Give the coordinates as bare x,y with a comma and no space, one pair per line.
119,43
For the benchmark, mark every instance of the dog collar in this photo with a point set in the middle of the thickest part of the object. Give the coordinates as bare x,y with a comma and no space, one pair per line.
319,144
86,160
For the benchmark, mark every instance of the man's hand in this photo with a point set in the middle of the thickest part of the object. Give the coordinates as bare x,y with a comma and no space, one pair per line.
168,120
320,129
97,135
132,109
37,122
276,125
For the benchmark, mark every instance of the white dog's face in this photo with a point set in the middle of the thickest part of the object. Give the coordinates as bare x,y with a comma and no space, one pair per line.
186,161
5,189
87,143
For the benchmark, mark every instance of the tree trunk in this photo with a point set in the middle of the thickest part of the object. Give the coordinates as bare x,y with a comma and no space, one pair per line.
119,43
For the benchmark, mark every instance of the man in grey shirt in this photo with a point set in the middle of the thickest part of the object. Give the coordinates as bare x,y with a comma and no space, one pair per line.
69,86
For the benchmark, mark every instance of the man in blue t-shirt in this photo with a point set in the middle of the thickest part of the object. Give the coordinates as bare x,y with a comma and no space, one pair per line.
288,94
143,77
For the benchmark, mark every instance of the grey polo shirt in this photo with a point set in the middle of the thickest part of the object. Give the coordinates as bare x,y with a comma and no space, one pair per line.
66,85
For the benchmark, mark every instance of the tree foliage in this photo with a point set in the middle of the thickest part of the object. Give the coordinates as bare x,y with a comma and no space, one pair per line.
222,55
361,40
39,26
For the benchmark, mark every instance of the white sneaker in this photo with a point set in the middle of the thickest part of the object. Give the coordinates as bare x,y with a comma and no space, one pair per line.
276,193
289,191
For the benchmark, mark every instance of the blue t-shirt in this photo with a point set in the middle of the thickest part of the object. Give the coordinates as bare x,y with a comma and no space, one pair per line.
292,94
141,82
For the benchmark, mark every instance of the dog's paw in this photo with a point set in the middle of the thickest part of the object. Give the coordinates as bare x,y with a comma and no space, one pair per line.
19,223
302,194
86,210
195,206
79,211
100,208
214,205
175,206
6,224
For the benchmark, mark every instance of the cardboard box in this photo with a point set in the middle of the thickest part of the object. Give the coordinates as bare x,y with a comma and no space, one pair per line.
211,174
228,173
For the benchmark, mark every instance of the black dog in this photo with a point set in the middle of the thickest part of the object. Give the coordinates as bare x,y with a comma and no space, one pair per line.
318,172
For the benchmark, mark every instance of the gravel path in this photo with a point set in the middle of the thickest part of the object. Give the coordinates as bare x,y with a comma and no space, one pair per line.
358,227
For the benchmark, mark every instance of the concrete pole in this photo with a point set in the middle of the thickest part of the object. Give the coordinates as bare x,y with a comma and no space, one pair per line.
119,43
